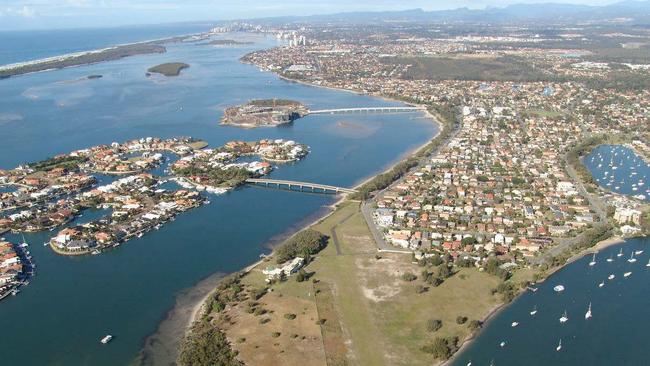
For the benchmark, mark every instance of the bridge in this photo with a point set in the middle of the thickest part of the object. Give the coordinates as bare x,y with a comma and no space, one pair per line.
368,110
314,187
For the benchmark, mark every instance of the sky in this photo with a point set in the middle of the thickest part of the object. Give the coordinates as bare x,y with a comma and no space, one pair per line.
50,14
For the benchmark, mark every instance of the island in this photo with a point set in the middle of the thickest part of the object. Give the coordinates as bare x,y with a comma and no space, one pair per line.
264,113
80,58
168,69
53,192
226,42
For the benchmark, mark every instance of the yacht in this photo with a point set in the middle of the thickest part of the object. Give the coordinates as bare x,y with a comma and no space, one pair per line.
601,284
620,254
648,265
534,311
559,346
24,243
564,317
502,344
588,313
593,260
514,324
611,277
632,259
627,274
558,288
106,339
611,258
638,252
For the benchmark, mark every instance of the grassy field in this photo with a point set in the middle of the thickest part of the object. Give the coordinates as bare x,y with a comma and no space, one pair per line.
371,315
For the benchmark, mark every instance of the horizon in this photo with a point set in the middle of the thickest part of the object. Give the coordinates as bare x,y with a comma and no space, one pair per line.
21,15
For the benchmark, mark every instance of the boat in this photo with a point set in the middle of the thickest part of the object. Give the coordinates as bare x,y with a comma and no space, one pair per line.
648,265
564,317
106,339
469,363
46,244
514,324
638,252
24,243
593,260
534,311
611,277
588,313
559,346
601,284
502,344
611,258
632,259
620,254
558,288
627,274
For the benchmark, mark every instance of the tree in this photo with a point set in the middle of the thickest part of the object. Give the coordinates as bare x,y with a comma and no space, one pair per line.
409,277
305,243
442,348
444,271
461,319
207,345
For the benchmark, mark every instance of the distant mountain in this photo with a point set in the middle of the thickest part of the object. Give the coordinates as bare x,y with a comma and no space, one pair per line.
636,11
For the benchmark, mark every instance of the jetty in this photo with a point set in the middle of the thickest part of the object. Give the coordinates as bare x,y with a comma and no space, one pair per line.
368,110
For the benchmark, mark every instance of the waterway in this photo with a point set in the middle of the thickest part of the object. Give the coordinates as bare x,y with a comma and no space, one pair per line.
72,302
617,333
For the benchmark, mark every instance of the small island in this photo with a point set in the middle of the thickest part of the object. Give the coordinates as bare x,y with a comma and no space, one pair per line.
264,113
226,42
168,69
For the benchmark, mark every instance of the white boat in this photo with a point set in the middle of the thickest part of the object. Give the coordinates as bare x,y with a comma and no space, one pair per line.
564,318
502,344
514,324
558,288
106,339
601,284
559,346
534,311
620,254
632,259
593,260
627,274
638,252
469,363
588,313
611,258
24,243
611,277
648,265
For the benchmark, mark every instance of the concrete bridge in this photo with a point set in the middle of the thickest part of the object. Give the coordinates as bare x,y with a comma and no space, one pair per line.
368,110
314,187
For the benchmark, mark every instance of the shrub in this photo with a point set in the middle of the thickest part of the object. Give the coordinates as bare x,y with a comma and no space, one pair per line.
442,348
420,289
304,243
321,321
461,319
474,325
433,325
409,277
290,316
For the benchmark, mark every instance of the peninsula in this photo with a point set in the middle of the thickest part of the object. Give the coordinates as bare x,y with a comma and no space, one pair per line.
80,58
264,113
168,69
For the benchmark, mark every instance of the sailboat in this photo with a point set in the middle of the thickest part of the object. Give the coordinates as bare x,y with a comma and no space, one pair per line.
611,258
593,260
564,317
514,324
627,274
611,277
588,313
620,254
638,252
648,265
24,243
559,346
534,311
632,259
601,284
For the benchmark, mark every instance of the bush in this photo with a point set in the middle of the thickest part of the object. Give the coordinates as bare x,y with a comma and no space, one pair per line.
474,325
304,243
434,281
420,289
207,345
442,348
321,321
461,319
433,325
409,277
275,334
290,316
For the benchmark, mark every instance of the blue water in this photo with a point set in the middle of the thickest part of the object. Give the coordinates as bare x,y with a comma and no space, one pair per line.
631,170
72,302
617,333
19,46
